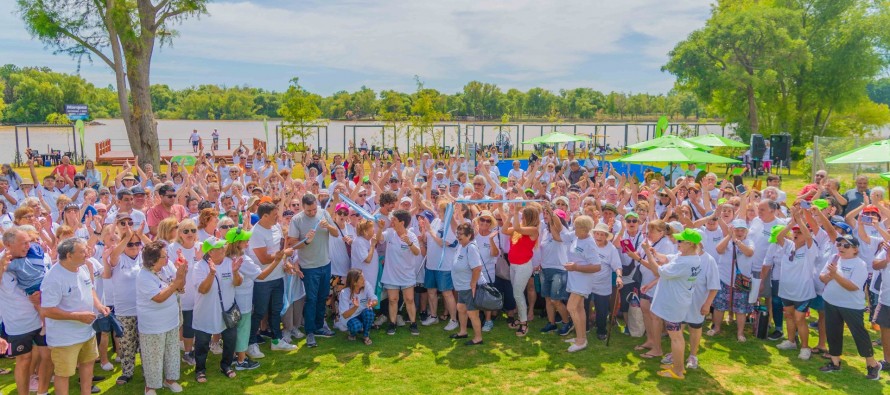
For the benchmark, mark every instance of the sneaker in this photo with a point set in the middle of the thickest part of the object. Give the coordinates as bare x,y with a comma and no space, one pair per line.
216,348
452,325
423,316
577,347
380,320
566,329
324,332
488,326
667,359
692,362
297,334
286,336
805,354
174,387
787,345
253,351
399,320
247,364
830,367
310,341
776,335
33,384
188,358
413,329
431,320
874,372
340,325
885,365
109,367
601,337
392,329
281,345
550,327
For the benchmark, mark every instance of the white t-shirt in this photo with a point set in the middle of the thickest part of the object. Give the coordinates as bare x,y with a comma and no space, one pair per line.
488,261
345,301
338,252
583,252
516,173
664,247
552,254
71,292
123,277
207,315
759,233
611,262
153,317
797,273
434,251
13,299
466,259
673,294
192,256
706,281
399,268
855,271
244,293
360,248
270,239
884,295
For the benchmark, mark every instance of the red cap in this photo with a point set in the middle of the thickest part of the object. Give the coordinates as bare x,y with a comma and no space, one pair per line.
644,194
871,209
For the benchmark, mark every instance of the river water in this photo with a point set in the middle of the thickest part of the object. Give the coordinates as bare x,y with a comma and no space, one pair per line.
338,134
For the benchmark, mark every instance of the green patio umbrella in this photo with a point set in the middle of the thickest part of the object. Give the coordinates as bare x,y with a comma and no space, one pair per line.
667,141
713,140
555,137
676,155
186,160
885,176
877,152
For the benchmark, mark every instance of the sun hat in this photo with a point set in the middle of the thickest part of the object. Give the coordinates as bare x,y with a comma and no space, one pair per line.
603,228
676,226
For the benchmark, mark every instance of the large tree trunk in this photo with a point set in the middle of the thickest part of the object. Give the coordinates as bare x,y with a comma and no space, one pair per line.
752,109
143,133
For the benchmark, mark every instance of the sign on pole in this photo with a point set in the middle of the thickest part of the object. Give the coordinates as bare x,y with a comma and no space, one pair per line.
77,111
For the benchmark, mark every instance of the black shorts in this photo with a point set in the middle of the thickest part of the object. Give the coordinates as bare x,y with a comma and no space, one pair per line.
24,343
799,306
882,316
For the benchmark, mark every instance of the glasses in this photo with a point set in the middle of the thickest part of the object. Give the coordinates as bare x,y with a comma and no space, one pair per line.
125,223
134,244
29,216
363,195
187,231
394,181
632,221
485,220
342,213
354,215
294,204
843,245
226,227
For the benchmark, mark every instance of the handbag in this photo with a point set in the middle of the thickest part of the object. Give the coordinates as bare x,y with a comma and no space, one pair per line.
232,316
502,266
635,324
742,282
487,296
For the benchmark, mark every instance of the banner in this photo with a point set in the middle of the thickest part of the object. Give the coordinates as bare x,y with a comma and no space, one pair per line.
357,208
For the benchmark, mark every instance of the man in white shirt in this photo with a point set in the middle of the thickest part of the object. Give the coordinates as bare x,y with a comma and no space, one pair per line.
67,299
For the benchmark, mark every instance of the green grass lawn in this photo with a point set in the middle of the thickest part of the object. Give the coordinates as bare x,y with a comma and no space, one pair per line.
432,363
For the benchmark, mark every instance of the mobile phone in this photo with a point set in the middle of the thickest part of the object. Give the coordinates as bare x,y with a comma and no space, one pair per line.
741,189
805,204
867,219
627,246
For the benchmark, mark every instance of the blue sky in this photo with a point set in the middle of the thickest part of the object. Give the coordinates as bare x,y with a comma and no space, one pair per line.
342,45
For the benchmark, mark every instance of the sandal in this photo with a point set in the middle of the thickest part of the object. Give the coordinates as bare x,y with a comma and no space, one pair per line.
472,343
650,356
522,330
512,323
123,380
350,338
201,377
641,348
368,341
228,372
670,374
4,371
712,332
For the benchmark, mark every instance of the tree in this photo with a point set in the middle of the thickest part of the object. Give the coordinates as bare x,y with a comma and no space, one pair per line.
123,35
425,114
300,111
879,91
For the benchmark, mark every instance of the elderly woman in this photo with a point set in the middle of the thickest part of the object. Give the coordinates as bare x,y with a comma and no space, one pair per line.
158,316
207,223
187,245
125,262
217,278
737,251
466,274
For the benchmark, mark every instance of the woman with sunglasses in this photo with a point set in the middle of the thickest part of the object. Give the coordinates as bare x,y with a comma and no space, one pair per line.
186,243
844,300
735,250
125,262
466,271
629,239
339,250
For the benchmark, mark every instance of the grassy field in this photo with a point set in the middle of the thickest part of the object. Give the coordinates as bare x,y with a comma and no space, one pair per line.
432,363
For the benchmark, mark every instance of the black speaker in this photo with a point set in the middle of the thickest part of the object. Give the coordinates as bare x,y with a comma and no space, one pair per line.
758,147
780,147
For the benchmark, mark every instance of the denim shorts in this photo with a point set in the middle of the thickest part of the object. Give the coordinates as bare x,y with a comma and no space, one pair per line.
553,285
438,279
397,287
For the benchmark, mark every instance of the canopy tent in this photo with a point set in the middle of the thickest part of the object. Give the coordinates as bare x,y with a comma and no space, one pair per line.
556,137
676,155
667,141
713,140
877,152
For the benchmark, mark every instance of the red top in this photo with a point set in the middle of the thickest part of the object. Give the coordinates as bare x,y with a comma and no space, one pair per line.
520,250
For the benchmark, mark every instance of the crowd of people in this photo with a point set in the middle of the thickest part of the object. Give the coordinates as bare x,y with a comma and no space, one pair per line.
235,255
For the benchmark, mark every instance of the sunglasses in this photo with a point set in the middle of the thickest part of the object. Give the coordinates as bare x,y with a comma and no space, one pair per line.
170,196
187,231
342,213
487,221
843,245
227,227
134,244
632,221
125,223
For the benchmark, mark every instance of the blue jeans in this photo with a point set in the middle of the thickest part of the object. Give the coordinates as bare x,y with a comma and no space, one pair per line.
318,284
268,298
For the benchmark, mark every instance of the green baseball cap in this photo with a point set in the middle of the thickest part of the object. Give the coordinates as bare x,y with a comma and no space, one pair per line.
631,214
820,203
212,243
721,201
366,179
691,235
235,235
774,233
529,190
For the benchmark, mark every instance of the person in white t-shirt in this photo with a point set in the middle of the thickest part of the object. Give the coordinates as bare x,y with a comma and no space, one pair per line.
796,288
356,305
703,293
218,276
399,269
157,308
673,295
583,263
737,249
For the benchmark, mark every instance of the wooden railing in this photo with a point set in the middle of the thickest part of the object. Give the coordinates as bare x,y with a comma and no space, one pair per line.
102,147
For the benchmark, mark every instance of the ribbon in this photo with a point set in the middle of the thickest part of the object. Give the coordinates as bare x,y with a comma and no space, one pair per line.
492,201
357,208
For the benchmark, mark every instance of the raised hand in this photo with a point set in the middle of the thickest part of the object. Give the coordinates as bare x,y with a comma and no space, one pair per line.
236,263
211,265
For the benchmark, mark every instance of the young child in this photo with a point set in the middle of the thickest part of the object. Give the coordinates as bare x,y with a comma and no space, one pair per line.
356,304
